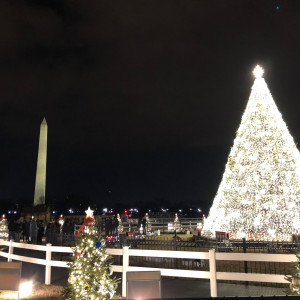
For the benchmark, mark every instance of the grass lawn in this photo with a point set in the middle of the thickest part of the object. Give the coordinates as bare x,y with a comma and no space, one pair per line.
40,291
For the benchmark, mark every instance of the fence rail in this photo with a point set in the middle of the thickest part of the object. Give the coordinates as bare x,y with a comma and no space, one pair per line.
200,243
126,253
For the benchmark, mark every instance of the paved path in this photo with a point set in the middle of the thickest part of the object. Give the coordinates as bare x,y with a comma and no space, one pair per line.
186,288
171,288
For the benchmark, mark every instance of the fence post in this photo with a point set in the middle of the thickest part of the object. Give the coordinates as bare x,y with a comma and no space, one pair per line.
213,275
245,262
10,250
124,269
48,265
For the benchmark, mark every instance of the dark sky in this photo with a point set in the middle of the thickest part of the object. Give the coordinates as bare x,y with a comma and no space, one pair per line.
142,98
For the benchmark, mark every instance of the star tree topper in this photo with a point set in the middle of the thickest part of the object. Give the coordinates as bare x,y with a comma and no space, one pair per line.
258,72
89,213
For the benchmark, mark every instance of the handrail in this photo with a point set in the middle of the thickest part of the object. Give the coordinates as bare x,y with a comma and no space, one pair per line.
254,277
169,254
212,256
24,246
256,257
37,247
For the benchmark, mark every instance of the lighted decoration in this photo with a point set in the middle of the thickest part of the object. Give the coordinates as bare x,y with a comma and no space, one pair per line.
148,222
111,293
258,72
120,227
89,219
61,221
177,224
141,230
98,245
170,227
258,197
25,289
3,228
89,275
199,225
89,213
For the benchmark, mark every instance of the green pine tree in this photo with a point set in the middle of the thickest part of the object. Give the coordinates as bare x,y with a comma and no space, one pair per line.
89,276
294,279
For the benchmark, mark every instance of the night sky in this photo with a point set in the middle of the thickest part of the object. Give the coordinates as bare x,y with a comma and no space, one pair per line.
142,98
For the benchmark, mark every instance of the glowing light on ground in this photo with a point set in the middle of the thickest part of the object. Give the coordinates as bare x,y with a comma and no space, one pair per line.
25,289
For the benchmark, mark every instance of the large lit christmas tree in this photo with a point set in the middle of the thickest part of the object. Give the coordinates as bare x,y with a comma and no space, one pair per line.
258,197
89,276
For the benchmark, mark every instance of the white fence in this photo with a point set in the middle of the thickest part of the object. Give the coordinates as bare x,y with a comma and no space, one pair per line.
212,256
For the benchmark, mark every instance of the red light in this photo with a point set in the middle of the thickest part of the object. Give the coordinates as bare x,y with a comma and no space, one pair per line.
130,216
126,211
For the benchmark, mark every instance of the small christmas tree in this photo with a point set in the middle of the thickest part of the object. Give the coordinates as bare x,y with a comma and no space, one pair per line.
148,222
294,279
61,222
177,225
89,276
120,227
3,228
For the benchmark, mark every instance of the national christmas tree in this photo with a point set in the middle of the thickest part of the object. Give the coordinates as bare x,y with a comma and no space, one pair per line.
89,276
258,197
3,228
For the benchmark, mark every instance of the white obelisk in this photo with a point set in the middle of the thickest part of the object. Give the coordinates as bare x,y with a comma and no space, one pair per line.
40,181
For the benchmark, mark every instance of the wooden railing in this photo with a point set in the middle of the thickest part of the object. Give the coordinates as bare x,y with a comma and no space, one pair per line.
212,256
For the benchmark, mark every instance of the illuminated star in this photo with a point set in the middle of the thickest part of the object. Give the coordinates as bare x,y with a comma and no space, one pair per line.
258,71
89,213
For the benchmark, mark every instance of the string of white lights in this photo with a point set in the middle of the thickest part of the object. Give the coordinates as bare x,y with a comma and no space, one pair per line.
258,197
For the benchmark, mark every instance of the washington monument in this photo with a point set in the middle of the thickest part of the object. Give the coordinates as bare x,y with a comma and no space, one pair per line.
40,181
